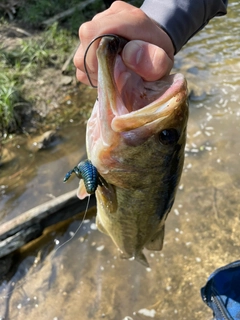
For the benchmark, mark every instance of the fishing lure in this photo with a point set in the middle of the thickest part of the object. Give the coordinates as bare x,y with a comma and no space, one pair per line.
85,170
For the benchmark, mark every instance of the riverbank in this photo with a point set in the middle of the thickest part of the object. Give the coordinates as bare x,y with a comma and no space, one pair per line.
37,74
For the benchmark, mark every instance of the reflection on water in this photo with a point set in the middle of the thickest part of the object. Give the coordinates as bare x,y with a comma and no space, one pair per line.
85,279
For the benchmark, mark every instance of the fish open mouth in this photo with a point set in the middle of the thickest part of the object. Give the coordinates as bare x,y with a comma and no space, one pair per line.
137,94
132,101
129,106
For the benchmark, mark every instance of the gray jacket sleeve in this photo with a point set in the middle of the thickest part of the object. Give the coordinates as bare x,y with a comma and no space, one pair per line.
181,19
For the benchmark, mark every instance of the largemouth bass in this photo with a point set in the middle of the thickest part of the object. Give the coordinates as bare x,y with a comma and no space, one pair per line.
135,138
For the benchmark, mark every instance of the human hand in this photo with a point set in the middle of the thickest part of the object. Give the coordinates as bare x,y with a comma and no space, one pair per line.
149,52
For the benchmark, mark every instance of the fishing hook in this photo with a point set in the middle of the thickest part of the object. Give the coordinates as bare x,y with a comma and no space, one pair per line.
88,47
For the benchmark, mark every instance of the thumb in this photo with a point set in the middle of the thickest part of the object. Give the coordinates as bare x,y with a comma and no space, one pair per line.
148,60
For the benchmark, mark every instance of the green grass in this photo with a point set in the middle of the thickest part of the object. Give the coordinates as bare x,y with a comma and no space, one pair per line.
9,96
27,60
48,50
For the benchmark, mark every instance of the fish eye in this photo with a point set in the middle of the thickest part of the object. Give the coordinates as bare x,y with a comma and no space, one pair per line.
168,136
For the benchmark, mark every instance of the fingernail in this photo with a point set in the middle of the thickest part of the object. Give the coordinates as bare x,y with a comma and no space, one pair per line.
132,53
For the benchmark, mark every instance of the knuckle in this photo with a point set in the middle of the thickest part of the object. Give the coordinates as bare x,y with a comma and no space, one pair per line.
116,4
76,60
85,30
97,16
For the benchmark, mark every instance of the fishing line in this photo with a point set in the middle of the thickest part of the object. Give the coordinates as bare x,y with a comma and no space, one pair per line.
78,228
86,52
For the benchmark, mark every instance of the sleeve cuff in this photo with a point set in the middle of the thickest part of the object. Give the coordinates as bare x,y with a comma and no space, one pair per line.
181,19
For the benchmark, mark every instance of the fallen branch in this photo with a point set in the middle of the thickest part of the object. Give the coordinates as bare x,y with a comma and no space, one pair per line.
31,224
67,13
69,59
22,31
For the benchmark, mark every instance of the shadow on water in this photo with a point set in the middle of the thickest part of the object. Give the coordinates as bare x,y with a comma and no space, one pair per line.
85,278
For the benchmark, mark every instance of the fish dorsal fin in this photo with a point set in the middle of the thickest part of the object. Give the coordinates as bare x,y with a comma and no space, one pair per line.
156,243
82,192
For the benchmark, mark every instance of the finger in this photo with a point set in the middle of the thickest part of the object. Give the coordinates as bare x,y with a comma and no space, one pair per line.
147,60
82,62
86,36
82,77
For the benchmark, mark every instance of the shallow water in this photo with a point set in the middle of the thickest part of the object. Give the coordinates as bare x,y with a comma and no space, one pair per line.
85,279
34,178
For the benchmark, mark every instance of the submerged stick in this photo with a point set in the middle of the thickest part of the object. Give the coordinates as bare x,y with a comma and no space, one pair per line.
31,224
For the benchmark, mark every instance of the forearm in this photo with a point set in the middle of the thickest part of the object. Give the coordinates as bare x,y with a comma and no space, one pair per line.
181,19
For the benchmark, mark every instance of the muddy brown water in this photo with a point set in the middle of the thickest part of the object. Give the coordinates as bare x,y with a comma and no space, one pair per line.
85,279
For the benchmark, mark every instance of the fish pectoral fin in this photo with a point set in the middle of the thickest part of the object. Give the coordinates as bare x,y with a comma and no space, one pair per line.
156,243
100,226
82,192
